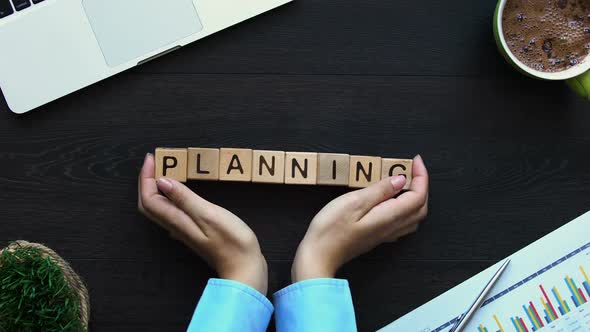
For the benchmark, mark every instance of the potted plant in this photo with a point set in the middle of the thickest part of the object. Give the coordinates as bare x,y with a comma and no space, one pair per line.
39,291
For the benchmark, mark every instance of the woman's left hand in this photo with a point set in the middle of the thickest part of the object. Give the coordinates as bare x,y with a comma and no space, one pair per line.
217,235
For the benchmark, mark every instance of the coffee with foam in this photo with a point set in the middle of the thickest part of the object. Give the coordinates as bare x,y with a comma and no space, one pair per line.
548,35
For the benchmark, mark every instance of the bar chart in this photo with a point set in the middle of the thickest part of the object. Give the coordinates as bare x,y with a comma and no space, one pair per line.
546,287
531,320
552,298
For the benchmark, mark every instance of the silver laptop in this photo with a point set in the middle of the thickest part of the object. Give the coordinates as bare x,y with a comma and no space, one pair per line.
50,48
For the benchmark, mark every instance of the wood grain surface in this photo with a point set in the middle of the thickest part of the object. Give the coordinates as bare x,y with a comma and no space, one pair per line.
509,156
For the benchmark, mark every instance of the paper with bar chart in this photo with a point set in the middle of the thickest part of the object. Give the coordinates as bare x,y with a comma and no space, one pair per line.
545,287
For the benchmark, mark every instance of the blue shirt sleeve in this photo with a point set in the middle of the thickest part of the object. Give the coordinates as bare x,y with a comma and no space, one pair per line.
322,305
228,306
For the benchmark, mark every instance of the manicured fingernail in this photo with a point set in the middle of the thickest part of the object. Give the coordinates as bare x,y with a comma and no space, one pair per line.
164,185
147,155
398,182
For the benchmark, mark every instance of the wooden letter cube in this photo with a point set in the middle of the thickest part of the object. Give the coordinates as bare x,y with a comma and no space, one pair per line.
394,167
268,166
333,169
235,165
203,164
301,168
364,171
171,163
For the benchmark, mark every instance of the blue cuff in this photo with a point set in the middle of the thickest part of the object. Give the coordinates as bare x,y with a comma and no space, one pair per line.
228,306
323,305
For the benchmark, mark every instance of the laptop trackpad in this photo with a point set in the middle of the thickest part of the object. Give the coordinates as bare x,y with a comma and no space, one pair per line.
127,29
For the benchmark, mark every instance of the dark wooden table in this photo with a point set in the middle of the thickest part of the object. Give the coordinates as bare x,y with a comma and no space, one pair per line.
509,156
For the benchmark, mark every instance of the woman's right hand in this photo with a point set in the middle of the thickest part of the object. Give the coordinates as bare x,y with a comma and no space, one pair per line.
358,221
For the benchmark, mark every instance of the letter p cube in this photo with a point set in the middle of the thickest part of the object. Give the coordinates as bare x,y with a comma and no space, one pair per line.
171,163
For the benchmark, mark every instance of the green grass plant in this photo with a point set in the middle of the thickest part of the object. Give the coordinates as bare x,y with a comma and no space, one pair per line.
34,295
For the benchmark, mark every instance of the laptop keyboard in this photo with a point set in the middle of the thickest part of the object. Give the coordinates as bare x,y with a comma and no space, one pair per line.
8,7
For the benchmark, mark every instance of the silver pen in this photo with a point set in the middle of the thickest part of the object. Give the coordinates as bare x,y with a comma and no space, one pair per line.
464,319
